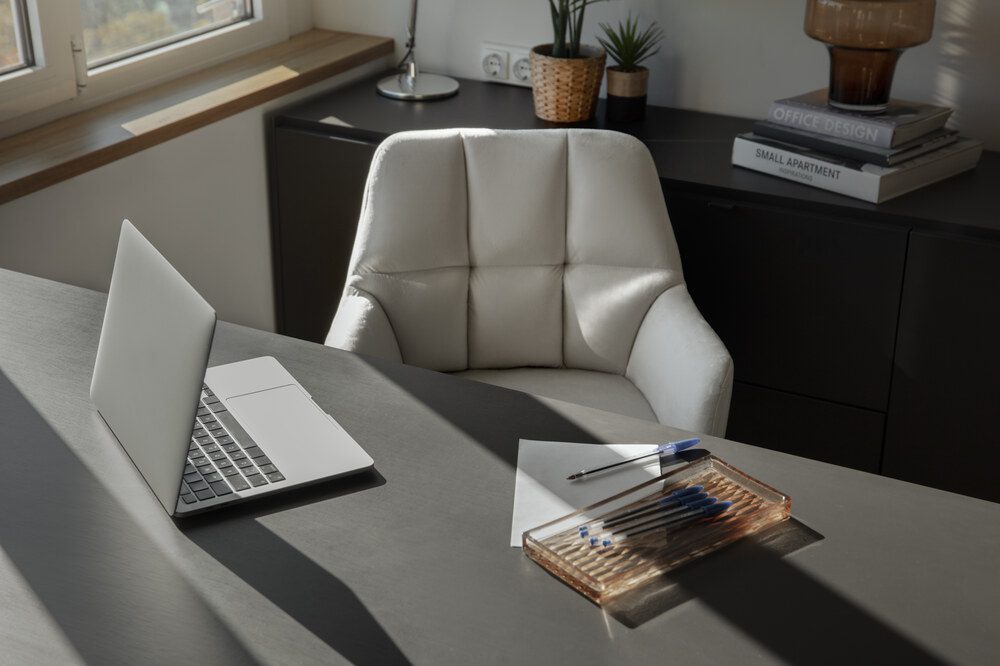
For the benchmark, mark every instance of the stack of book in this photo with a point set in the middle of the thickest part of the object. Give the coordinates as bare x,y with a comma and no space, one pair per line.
870,157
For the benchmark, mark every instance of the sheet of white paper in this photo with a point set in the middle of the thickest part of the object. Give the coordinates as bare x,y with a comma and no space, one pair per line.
542,493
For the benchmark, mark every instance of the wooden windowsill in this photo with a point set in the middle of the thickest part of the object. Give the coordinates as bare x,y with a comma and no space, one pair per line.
56,151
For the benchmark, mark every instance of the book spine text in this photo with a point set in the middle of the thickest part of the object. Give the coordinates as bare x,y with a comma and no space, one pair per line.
831,124
806,170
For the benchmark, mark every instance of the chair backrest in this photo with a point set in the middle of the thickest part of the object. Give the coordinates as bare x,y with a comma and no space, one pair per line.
494,249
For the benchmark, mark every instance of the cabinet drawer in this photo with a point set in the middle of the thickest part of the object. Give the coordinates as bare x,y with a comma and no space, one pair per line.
805,304
319,183
944,416
807,427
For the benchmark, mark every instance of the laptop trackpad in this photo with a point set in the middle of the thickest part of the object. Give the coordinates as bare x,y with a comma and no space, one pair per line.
296,434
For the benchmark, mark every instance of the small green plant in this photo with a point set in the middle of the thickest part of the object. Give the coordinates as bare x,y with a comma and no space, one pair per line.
567,24
629,47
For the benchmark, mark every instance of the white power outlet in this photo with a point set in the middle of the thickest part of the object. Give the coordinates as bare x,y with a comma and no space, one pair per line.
506,63
520,68
494,62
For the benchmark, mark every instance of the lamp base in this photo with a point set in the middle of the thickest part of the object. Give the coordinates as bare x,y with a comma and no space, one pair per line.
423,87
864,109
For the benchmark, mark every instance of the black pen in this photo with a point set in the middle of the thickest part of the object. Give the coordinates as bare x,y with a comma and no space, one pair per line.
662,450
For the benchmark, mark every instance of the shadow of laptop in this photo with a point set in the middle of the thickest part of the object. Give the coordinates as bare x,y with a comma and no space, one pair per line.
107,585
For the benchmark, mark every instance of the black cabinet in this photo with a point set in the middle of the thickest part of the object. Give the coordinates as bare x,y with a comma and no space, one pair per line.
817,429
944,415
805,304
318,185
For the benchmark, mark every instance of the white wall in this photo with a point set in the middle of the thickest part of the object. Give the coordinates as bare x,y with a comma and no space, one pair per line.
300,16
200,198
724,56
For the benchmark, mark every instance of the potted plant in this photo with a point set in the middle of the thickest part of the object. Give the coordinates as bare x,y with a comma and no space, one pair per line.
566,75
628,81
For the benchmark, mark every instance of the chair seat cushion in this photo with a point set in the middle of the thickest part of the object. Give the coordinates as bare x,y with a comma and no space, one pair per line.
601,390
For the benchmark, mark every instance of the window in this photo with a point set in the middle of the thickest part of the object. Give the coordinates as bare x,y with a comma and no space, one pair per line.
52,50
116,29
36,60
15,49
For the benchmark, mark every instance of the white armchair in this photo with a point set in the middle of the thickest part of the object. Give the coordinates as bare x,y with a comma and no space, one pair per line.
540,260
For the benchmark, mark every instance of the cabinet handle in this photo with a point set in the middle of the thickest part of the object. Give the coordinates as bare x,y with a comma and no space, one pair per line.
724,205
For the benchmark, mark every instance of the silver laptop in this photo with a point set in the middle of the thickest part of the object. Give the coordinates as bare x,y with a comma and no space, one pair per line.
202,438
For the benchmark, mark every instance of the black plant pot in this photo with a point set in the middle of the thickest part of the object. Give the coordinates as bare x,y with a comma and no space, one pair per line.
627,94
626,109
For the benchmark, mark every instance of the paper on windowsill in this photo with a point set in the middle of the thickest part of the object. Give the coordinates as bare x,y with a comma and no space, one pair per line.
334,120
542,493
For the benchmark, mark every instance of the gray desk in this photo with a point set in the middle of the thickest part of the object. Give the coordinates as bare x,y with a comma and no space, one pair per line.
410,564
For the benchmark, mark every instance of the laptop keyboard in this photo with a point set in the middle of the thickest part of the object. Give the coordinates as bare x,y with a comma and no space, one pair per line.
222,457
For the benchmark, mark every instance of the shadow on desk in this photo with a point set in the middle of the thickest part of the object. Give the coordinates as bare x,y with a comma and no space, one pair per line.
794,615
639,606
751,584
309,594
482,411
114,594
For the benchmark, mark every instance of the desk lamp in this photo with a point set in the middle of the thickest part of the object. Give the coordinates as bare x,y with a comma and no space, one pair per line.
410,83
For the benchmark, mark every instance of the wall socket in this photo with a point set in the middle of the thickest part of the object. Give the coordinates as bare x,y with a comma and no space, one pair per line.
505,63
494,62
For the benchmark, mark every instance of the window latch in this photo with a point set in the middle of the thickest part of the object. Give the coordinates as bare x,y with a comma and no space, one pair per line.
79,64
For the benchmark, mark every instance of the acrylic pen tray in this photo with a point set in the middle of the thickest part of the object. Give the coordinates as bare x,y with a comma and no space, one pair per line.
649,533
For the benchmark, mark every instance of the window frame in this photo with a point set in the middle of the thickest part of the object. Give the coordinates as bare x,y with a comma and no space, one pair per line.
54,79
50,78
22,36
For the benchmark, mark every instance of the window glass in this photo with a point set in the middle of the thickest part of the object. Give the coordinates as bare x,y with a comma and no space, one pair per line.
115,29
14,51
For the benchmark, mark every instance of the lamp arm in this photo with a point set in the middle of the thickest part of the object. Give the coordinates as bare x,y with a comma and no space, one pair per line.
409,62
411,31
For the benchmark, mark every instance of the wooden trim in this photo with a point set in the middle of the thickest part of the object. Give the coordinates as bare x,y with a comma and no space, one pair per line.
67,147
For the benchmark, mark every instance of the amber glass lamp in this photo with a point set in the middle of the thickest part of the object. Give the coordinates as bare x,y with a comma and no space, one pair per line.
865,39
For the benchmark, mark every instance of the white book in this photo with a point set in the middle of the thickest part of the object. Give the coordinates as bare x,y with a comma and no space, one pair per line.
868,182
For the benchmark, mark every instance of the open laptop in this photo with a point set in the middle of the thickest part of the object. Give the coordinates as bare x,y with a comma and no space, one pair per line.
202,438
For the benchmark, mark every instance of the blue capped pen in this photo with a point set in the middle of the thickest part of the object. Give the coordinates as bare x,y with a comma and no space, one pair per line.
707,510
662,450
675,502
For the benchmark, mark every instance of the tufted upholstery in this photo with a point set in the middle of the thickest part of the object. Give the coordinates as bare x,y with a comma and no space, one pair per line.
490,250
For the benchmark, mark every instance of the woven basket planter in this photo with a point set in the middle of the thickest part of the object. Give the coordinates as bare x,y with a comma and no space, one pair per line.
565,89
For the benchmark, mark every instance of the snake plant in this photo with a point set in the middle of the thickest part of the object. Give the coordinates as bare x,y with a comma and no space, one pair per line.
627,45
567,25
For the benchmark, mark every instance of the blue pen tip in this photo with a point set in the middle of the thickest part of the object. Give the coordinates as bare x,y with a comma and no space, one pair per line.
716,509
701,503
688,500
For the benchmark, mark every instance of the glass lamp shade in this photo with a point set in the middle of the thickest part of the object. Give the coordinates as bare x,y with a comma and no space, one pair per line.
865,39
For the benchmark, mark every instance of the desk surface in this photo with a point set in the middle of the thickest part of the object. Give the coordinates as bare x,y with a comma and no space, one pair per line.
692,150
411,563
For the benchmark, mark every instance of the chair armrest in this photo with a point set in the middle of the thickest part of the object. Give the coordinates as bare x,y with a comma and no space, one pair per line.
681,365
362,326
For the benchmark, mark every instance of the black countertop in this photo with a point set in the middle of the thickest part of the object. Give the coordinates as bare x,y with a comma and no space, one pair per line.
691,150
